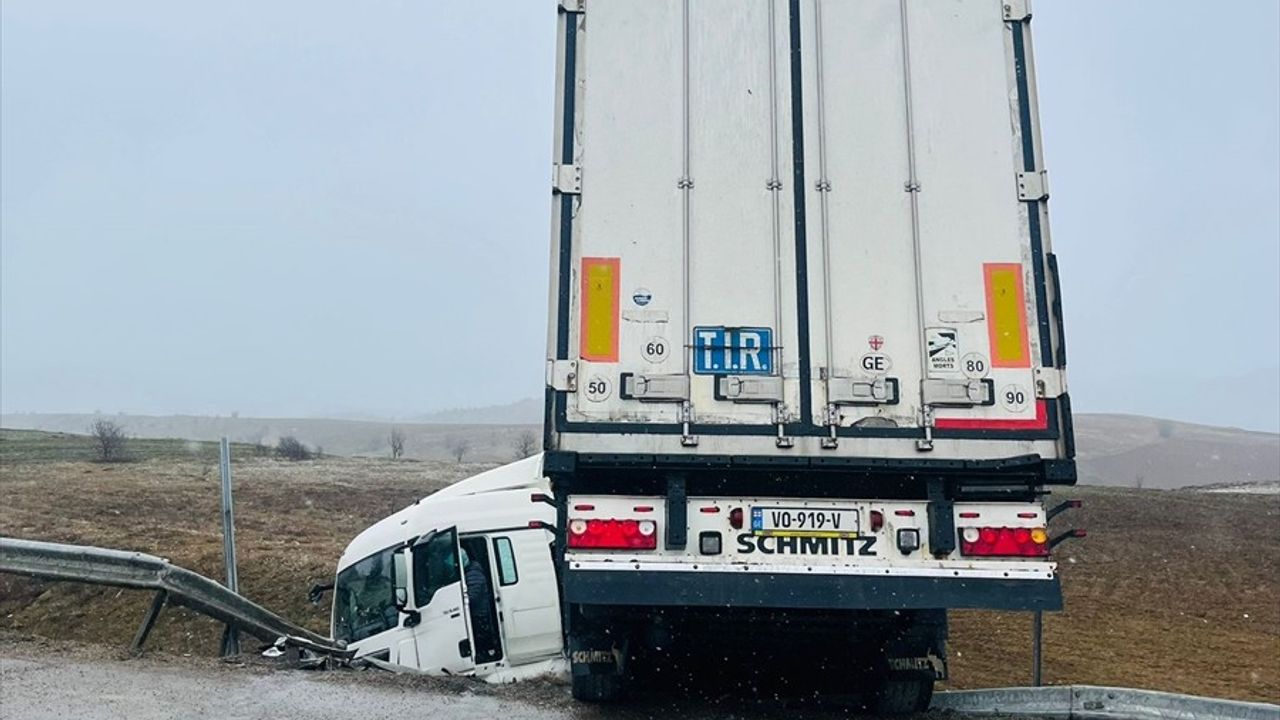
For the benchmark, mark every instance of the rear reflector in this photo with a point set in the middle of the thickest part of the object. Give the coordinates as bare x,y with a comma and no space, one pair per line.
710,509
905,513
584,508
735,518
613,534
1004,542
643,508
599,299
1006,315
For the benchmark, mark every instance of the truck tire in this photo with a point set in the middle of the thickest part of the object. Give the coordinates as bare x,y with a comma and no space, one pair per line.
903,695
597,688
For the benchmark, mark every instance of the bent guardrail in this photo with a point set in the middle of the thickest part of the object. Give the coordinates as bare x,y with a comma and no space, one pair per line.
1090,702
172,584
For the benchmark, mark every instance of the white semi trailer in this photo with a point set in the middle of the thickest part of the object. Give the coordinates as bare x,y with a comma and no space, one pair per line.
805,371
805,385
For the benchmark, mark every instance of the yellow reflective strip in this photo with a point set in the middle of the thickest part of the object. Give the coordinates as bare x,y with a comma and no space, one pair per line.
599,340
1006,315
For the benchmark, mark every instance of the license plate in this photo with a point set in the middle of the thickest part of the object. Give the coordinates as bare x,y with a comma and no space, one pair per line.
819,522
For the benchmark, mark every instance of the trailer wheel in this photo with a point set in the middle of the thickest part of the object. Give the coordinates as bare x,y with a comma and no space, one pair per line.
903,695
597,688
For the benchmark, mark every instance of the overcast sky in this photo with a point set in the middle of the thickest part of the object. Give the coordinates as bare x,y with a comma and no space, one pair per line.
314,207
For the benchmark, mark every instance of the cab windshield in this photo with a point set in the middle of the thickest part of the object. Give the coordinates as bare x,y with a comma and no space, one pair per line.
365,598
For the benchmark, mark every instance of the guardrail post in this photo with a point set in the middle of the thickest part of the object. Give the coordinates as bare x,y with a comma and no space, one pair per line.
230,638
149,620
1037,637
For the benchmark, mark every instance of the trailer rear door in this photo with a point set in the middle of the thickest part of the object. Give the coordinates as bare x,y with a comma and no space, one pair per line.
802,227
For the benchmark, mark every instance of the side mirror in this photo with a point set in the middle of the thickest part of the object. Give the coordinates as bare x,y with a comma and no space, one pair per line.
317,591
411,617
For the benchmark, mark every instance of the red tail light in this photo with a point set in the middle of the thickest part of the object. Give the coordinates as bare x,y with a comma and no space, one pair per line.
1004,542
613,534
877,520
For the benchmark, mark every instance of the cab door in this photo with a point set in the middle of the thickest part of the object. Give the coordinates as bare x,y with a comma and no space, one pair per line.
528,595
440,632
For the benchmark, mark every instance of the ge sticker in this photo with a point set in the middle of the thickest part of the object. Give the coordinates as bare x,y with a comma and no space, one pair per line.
598,389
876,363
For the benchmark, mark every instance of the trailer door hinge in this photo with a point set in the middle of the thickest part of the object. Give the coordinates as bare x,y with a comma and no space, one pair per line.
1050,382
562,375
1015,10
567,179
573,6
1033,186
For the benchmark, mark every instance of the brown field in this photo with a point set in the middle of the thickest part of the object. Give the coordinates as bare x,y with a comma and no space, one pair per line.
1171,590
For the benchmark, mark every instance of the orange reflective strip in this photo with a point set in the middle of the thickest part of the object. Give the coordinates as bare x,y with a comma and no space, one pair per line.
600,283
1006,315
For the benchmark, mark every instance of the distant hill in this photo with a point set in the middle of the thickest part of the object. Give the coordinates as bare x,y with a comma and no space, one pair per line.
1137,451
1115,450
486,443
520,412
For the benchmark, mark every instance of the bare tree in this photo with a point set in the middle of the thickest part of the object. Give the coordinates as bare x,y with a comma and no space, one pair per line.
524,444
457,447
397,443
291,448
109,439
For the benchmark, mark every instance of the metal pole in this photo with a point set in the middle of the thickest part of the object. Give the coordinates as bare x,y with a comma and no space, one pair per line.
1037,632
149,621
230,640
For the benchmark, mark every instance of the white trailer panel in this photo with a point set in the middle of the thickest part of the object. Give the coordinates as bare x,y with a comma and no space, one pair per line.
802,227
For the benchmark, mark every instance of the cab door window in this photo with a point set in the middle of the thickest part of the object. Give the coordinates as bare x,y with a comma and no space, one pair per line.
435,565
506,556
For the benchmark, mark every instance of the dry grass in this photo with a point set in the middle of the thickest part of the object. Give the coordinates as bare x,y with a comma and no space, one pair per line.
292,521
1171,590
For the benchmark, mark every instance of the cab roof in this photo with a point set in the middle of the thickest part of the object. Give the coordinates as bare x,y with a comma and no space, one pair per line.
494,499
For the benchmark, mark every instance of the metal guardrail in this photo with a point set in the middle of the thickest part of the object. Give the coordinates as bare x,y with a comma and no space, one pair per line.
1089,702
172,584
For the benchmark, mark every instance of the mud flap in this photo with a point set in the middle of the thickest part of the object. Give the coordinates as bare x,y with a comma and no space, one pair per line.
921,649
597,655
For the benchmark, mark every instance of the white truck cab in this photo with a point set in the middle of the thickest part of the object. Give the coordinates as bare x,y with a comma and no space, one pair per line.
461,582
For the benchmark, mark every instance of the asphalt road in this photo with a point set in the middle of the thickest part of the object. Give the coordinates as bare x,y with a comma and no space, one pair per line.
44,681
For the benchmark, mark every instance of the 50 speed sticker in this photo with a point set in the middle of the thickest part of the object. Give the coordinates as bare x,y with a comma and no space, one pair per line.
598,388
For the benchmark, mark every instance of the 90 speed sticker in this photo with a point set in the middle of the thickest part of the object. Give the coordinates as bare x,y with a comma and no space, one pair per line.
1014,397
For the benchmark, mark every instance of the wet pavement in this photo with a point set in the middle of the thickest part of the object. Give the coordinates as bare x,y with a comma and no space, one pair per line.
43,682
